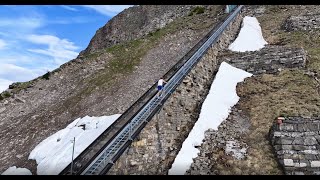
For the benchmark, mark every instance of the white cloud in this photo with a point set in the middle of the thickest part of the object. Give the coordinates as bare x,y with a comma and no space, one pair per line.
22,22
29,55
108,10
2,44
16,58
71,20
10,73
4,84
42,39
69,8
62,50
23,67
15,73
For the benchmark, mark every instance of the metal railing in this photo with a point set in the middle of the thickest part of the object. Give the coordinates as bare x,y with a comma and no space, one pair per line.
125,136
99,144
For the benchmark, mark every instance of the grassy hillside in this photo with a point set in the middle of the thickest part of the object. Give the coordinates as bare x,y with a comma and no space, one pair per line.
289,93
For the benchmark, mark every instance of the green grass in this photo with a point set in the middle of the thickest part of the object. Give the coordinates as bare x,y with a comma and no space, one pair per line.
22,85
6,94
46,76
127,55
196,10
265,97
19,86
289,93
124,58
93,55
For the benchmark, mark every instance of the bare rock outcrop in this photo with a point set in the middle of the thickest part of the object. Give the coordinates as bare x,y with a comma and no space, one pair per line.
270,59
133,23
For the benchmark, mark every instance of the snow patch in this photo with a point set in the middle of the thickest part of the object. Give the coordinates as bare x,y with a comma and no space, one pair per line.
215,108
16,171
250,37
55,153
234,149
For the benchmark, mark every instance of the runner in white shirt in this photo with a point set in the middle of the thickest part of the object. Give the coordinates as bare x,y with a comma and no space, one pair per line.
161,83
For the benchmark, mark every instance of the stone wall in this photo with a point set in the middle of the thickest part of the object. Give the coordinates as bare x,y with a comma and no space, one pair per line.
221,144
157,145
296,143
302,22
269,59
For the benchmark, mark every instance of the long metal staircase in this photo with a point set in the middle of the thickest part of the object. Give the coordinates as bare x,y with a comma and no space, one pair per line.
117,144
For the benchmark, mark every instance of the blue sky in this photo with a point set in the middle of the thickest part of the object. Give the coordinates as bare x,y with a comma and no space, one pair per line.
37,39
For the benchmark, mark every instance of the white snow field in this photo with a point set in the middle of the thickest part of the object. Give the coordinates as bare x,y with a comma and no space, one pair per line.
250,37
16,171
215,109
55,153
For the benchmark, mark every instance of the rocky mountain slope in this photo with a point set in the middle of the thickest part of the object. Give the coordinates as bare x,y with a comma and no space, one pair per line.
123,59
264,97
133,23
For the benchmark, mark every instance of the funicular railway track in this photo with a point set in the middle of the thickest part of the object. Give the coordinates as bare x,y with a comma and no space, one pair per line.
101,154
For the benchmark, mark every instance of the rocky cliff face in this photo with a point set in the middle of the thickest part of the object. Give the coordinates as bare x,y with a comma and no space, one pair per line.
133,23
270,59
302,22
